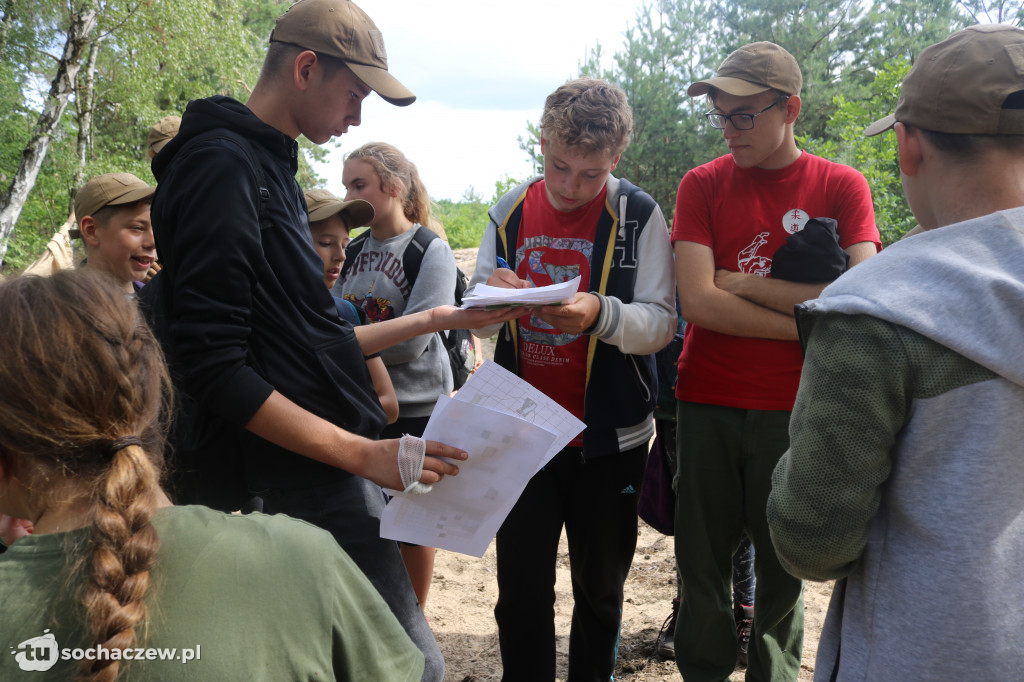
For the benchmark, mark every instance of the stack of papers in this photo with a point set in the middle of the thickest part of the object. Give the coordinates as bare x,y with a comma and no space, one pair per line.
510,430
485,296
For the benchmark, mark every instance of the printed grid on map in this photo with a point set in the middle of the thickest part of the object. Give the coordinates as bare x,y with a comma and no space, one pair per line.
501,390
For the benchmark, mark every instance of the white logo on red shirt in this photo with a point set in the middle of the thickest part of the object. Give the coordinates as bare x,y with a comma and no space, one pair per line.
794,220
751,262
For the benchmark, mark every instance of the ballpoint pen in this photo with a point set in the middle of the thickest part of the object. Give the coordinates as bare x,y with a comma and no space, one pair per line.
502,263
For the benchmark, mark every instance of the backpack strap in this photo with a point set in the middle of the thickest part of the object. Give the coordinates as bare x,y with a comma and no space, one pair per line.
352,250
413,256
249,154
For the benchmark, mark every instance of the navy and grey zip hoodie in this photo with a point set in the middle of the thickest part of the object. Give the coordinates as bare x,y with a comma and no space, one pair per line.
240,309
632,274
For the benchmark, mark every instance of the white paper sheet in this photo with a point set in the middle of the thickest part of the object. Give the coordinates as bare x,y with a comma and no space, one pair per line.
484,296
510,430
462,513
494,386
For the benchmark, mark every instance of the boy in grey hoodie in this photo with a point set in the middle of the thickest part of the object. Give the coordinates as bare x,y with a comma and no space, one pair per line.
905,474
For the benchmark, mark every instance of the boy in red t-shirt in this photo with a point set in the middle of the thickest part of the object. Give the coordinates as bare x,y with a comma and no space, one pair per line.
740,365
594,356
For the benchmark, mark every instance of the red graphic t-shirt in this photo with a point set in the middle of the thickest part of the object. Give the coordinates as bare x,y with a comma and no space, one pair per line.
744,215
555,246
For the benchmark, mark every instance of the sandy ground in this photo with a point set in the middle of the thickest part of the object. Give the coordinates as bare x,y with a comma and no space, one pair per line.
461,602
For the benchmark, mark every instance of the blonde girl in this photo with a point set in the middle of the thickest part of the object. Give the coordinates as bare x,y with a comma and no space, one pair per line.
375,280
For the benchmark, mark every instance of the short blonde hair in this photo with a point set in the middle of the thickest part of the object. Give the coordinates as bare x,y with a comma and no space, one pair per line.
590,114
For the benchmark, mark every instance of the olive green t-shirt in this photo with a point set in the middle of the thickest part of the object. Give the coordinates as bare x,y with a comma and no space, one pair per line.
233,597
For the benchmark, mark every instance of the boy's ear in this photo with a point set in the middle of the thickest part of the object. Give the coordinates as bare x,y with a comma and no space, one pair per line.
793,105
543,143
302,69
908,143
616,161
89,229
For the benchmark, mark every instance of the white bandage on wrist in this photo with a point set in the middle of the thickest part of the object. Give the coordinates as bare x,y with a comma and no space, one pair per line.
411,452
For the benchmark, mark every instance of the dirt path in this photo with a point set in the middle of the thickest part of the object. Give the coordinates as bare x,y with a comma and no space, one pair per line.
461,603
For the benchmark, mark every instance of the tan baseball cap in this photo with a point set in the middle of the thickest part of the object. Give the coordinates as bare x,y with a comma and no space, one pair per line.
959,86
754,68
340,29
322,205
111,189
161,133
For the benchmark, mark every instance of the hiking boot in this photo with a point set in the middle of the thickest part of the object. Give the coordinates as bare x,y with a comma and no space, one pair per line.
667,635
744,616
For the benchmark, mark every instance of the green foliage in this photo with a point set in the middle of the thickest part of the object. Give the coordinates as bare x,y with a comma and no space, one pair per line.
530,143
503,186
853,56
875,157
465,220
153,58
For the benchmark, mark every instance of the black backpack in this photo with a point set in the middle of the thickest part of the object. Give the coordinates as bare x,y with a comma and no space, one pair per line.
457,342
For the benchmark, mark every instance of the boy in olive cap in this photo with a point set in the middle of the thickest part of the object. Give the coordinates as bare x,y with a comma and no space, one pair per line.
162,132
330,222
279,401
113,220
905,477
740,365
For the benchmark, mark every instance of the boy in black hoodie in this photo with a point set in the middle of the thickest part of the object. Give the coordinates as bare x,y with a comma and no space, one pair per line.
271,382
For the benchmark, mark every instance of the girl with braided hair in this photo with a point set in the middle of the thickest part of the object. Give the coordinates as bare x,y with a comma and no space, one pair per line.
109,571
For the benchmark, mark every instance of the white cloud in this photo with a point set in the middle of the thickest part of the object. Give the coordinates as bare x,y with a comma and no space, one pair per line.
481,71
452,148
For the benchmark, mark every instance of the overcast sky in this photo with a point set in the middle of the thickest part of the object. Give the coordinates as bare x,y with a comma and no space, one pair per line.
480,71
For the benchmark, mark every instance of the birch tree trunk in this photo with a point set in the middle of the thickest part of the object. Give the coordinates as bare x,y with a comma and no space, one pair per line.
85,100
81,23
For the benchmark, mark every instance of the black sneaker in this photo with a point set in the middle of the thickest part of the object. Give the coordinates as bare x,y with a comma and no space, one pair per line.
744,620
667,636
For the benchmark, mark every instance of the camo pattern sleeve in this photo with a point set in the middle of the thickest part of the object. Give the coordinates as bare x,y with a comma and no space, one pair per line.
859,380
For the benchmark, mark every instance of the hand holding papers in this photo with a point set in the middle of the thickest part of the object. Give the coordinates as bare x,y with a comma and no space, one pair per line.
510,431
486,296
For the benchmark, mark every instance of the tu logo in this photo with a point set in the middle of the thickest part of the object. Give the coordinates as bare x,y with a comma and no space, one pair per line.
37,654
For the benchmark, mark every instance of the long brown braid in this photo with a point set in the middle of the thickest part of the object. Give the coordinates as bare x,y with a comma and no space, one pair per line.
83,390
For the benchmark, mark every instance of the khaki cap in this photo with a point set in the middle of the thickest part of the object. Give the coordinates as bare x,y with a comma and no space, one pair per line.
161,133
111,189
322,205
754,68
959,86
340,29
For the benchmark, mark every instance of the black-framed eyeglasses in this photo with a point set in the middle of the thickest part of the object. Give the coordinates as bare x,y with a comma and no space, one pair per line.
739,121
